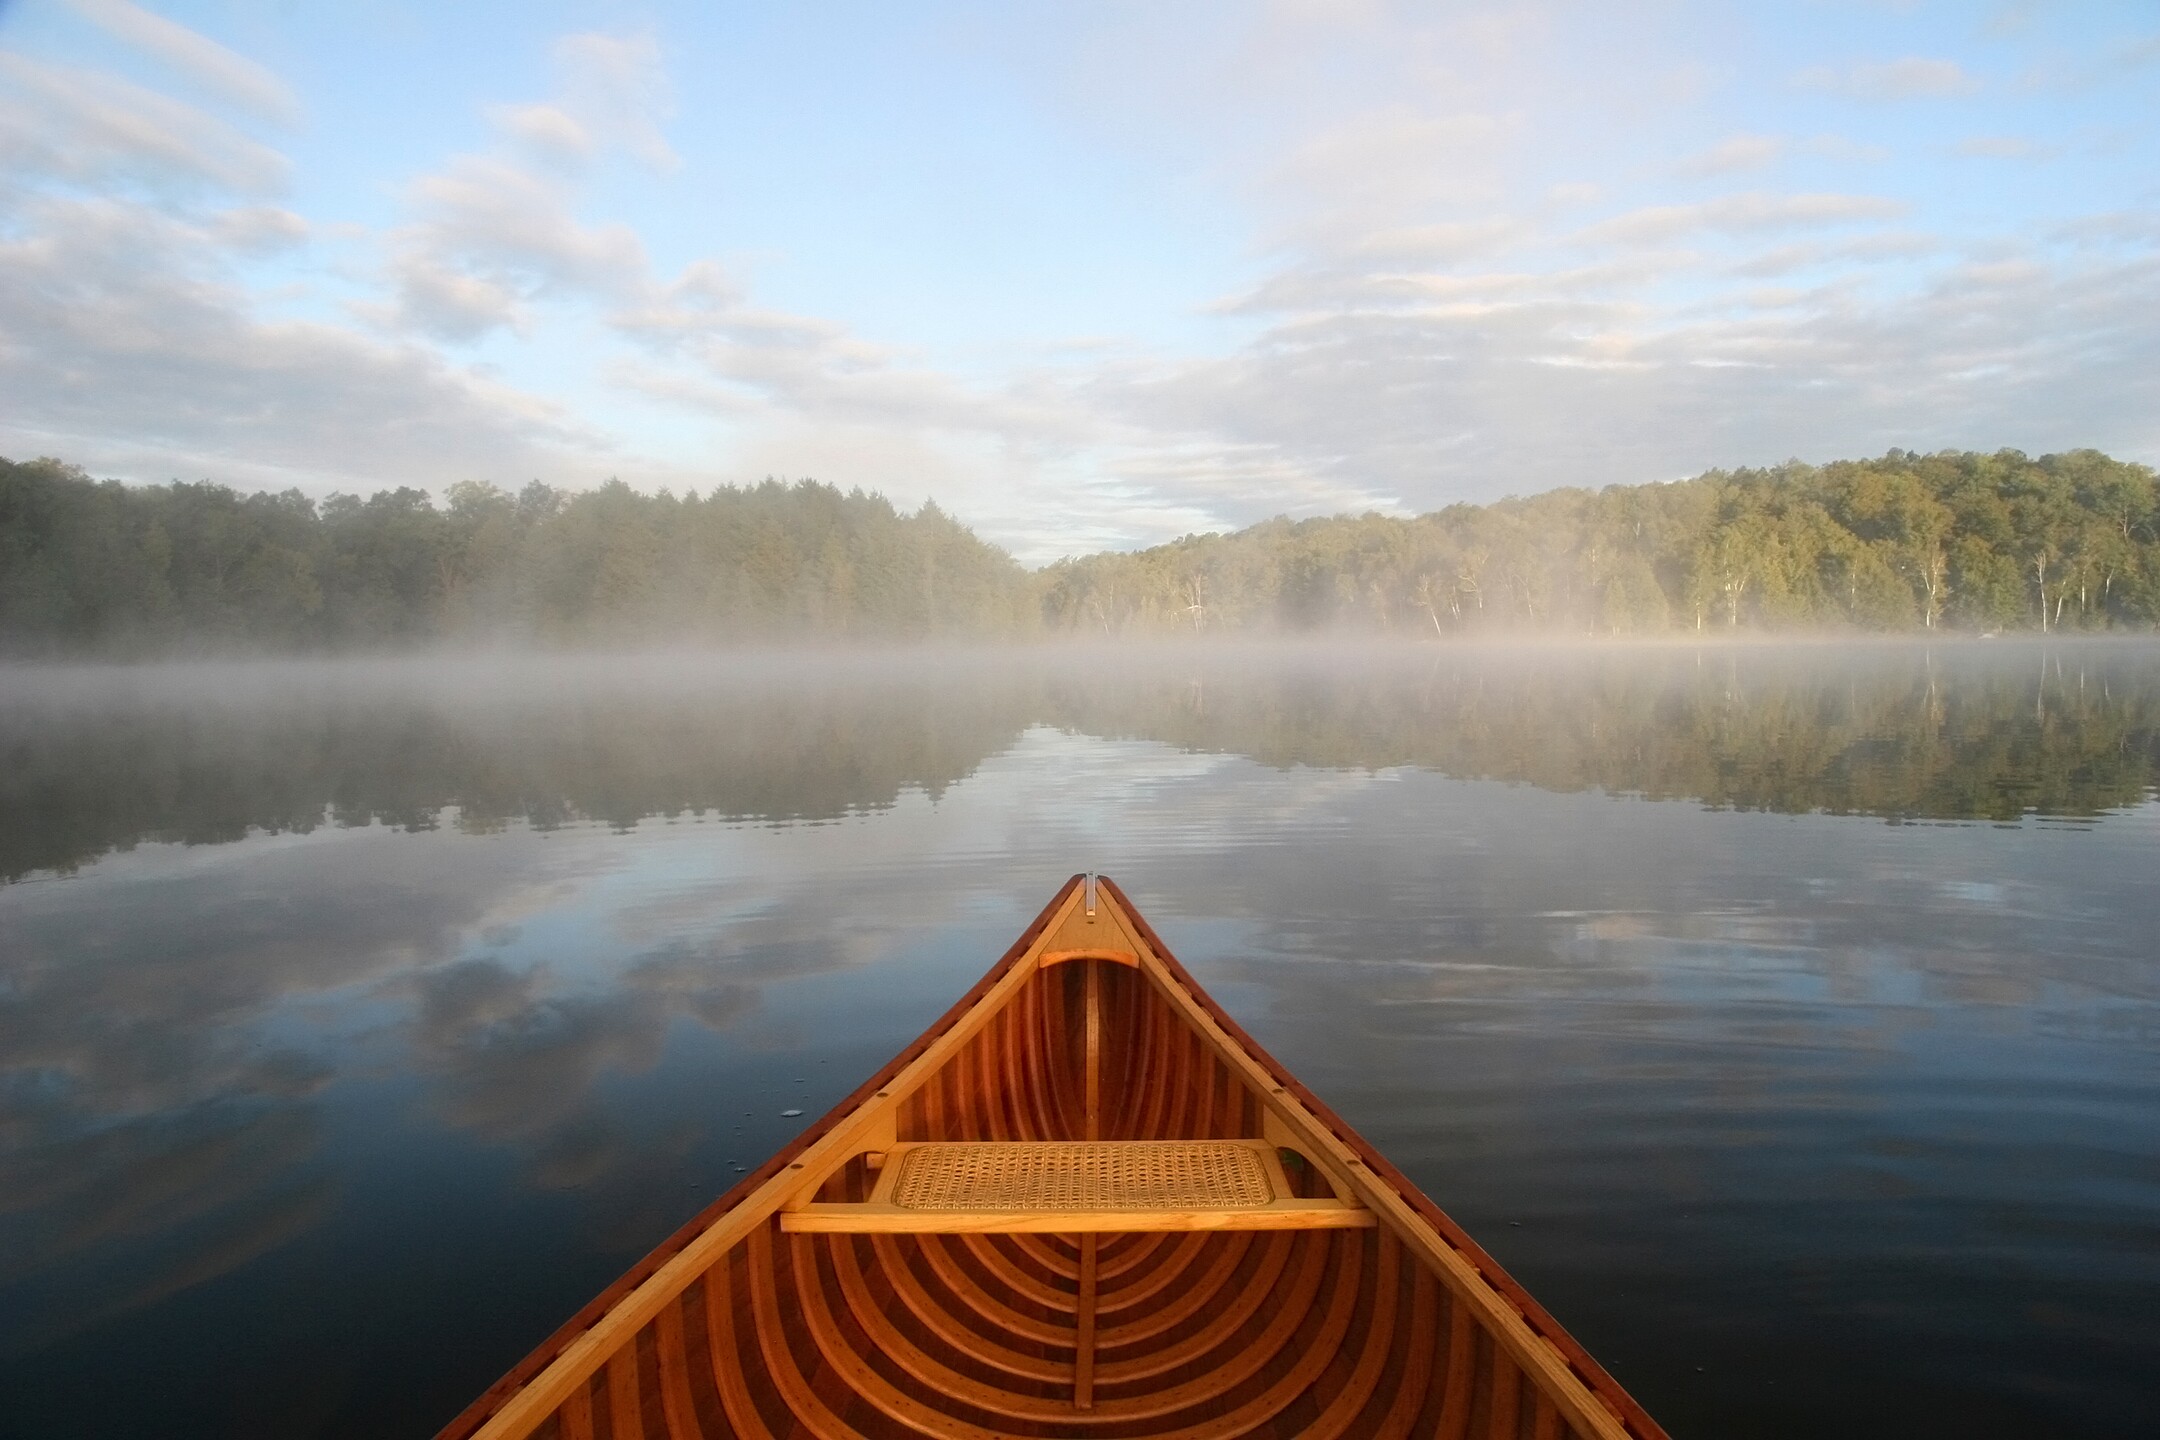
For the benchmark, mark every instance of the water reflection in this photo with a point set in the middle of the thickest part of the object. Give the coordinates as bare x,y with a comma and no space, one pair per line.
489,980
99,761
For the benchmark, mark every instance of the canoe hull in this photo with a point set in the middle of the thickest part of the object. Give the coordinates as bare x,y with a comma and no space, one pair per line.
743,1327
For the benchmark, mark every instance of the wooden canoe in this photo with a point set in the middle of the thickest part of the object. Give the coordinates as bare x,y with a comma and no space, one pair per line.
1084,1203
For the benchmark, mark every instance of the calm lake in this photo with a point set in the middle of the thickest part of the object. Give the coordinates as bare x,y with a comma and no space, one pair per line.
1786,1018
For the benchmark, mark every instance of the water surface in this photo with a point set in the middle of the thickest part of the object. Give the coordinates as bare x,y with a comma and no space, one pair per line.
1784,1018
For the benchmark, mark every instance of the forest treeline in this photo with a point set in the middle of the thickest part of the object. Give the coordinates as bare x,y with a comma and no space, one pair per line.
1908,542
1950,541
101,567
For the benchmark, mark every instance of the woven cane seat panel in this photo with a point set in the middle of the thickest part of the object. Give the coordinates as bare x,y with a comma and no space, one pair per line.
1084,1175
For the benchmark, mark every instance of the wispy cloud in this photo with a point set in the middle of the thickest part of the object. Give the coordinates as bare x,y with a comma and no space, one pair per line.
108,305
1748,213
1913,78
495,232
2002,147
1732,155
89,128
230,76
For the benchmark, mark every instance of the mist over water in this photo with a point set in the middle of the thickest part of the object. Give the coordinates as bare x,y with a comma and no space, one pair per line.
1783,1016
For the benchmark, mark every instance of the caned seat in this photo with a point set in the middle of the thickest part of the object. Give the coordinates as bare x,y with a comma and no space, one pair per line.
1079,1187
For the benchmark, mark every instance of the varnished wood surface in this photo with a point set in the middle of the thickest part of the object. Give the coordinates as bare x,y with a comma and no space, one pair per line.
757,1322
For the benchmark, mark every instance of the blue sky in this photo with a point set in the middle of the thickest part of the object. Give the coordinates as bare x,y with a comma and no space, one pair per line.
1089,275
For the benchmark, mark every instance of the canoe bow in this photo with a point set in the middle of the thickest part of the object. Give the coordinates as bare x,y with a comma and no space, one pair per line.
1083,1202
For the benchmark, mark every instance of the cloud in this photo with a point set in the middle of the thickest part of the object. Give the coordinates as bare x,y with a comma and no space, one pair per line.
439,300
618,87
199,58
87,128
1749,213
813,368
610,91
1730,156
1475,385
495,233
2001,147
1885,245
492,237
2136,228
258,229
1912,78
1440,243
1844,149
1391,163
123,324
548,132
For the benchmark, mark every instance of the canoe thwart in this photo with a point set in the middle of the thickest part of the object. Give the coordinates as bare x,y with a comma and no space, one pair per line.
1079,1187
866,1219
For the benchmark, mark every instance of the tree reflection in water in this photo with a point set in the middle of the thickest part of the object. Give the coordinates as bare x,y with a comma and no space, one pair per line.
99,761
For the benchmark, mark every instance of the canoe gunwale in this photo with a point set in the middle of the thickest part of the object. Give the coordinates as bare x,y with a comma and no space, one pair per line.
1296,1117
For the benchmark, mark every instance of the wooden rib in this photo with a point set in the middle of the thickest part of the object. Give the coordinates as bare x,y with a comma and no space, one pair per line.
996,1310
801,1399
1203,1291
626,1419
1123,1254
995,1261
1312,1360
1364,1376
1505,1382
998,1319
720,1338
1417,1369
676,1405
1231,1315
976,1348
1455,1388
1084,1360
937,1322
576,1415
1184,1253
859,1375
909,1410
932,1374
1239,1365
1049,1253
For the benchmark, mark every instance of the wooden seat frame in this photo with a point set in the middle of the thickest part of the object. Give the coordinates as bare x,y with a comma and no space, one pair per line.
881,1214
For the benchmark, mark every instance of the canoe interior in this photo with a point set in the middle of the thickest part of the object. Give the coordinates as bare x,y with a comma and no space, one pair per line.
1348,1333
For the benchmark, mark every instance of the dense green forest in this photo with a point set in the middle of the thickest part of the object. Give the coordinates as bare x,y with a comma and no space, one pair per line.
1907,542
1958,541
110,568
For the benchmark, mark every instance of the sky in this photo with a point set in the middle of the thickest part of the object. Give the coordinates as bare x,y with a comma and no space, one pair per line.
1088,275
